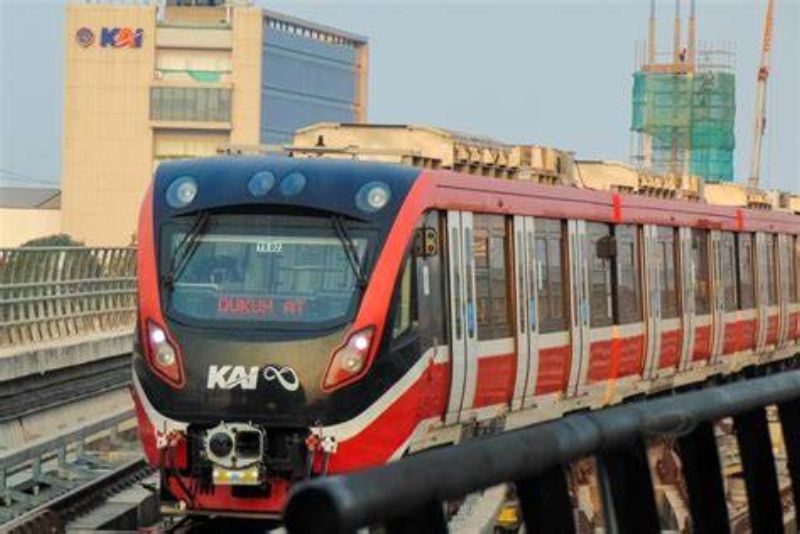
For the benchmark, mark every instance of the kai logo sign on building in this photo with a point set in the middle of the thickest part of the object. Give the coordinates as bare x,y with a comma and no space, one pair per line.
121,37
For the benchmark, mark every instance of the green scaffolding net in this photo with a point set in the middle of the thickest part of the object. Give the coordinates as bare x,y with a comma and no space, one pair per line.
687,112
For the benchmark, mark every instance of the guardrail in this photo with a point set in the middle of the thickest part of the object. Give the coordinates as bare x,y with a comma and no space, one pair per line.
49,293
58,465
408,495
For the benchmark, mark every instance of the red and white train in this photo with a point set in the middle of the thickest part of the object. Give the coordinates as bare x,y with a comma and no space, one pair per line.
303,317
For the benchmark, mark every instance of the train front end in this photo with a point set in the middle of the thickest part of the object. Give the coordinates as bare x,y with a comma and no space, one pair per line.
260,318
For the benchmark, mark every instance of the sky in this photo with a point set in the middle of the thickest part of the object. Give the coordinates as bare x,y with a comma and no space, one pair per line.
551,72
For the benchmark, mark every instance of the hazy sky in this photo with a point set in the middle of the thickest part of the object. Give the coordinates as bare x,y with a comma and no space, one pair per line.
548,72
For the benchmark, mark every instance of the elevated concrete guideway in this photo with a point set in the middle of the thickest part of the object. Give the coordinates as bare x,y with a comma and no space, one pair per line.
41,358
66,336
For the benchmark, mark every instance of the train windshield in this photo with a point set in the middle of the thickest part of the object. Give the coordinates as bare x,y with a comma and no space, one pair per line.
266,269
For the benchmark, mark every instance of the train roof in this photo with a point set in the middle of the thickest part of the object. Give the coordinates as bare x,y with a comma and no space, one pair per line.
327,185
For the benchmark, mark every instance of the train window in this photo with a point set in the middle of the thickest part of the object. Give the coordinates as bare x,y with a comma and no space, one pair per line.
430,301
665,252
744,259
405,315
600,295
727,256
490,250
254,271
772,286
627,295
702,296
549,255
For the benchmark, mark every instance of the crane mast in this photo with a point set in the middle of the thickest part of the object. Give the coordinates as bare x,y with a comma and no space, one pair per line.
760,122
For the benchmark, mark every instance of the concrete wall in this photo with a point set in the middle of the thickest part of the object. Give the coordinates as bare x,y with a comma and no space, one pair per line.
20,225
108,141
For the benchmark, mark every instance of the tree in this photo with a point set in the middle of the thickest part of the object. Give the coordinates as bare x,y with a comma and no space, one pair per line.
55,240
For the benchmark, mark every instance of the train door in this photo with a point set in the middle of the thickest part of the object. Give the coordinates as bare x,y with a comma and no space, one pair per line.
717,296
547,306
663,286
703,311
747,326
463,326
784,273
771,277
687,296
794,288
525,327
762,298
652,259
579,305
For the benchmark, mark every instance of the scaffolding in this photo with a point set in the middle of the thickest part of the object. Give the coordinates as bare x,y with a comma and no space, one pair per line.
684,108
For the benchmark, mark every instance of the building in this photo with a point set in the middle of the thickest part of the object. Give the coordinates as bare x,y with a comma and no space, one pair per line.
152,81
27,213
684,105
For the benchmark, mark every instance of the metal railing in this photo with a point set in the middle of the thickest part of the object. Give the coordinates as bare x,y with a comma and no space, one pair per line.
49,293
408,495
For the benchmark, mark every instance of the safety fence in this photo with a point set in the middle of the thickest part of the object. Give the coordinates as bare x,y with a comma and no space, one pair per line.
409,495
49,293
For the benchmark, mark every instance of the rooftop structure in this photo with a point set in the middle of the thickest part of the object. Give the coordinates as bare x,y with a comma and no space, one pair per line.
438,148
30,198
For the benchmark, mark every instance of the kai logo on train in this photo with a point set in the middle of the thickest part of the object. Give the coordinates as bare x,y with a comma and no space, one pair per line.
122,37
239,376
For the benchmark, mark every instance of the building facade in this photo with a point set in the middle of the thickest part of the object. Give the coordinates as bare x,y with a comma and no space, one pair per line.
150,83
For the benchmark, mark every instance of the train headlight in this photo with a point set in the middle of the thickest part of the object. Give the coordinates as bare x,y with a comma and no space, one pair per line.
373,196
293,183
163,355
349,359
261,183
181,192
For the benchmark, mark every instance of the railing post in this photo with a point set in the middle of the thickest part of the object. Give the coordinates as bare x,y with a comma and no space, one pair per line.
790,424
545,502
430,519
628,498
702,472
5,494
758,467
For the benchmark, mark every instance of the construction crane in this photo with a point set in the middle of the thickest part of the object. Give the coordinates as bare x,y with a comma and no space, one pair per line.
761,96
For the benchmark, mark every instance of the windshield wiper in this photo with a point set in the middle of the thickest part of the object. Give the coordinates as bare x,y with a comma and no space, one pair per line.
186,249
349,251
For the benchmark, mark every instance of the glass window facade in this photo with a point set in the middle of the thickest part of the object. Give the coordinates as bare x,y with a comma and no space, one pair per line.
212,104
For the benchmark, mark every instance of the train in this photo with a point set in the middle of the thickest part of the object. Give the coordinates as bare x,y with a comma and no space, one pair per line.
306,317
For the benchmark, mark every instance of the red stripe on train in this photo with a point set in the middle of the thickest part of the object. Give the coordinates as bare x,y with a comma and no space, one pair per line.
772,330
554,368
794,325
739,336
375,444
604,364
495,383
670,349
702,343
